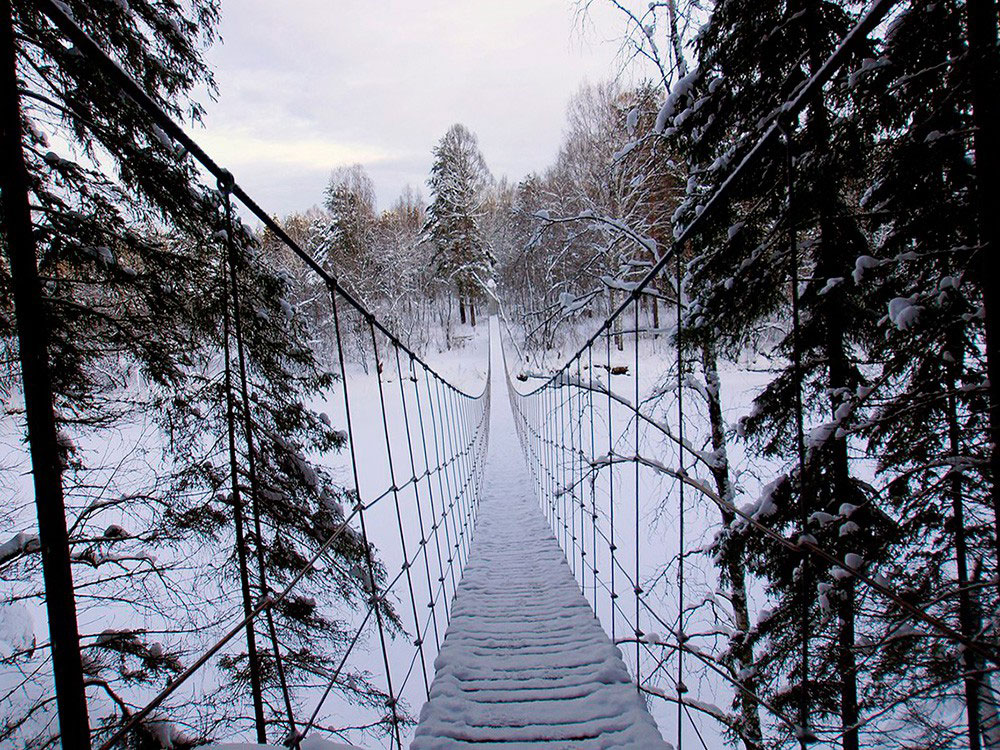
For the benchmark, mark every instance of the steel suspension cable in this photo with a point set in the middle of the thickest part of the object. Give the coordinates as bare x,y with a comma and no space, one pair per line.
611,491
453,492
430,500
579,464
681,637
236,497
441,489
636,587
593,484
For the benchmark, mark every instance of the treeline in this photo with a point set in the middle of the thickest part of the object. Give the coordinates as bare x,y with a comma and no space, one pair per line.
580,231
592,224
424,268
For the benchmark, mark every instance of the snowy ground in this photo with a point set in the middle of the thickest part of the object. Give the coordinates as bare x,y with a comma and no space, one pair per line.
133,450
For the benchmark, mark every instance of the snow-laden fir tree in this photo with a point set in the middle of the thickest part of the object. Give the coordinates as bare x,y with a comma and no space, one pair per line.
131,254
929,432
750,61
458,184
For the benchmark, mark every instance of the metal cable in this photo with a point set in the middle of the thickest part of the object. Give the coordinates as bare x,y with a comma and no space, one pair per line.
395,497
369,562
248,440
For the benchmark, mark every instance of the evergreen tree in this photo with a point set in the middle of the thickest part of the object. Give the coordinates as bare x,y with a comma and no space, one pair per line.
929,432
458,183
135,283
751,61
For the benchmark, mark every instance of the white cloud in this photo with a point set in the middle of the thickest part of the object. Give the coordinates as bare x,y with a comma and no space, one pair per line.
313,84
238,147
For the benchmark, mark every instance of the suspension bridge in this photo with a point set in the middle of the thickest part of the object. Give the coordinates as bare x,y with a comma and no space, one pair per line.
524,660
513,522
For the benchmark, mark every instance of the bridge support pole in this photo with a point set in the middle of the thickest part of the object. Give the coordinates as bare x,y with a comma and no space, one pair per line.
36,376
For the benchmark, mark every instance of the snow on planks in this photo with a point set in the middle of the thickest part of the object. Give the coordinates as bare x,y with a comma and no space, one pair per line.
525,664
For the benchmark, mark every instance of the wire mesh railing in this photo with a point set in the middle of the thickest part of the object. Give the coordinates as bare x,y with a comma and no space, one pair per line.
391,541
612,443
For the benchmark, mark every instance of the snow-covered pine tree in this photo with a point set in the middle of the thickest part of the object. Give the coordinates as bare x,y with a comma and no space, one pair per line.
133,289
657,192
458,184
751,60
930,430
343,243
349,247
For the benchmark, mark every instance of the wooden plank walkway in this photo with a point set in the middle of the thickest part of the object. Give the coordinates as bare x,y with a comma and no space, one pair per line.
525,664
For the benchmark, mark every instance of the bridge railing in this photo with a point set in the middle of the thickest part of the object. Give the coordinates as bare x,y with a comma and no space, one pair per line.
412,452
609,439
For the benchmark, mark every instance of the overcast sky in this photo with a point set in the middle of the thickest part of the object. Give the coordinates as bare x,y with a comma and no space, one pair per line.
309,85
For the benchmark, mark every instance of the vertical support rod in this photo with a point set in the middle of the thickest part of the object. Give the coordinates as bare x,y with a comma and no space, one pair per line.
369,561
681,637
430,499
613,595
443,519
593,473
580,474
635,406
395,497
447,510
458,502
39,404
253,658
226,186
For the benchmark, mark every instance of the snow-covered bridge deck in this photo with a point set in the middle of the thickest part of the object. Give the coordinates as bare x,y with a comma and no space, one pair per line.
525,663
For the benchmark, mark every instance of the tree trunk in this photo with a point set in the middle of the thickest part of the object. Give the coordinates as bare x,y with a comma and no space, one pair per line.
982,34
39,404
837,379
741,650
836,357
472,312
834,349
461,308
966,617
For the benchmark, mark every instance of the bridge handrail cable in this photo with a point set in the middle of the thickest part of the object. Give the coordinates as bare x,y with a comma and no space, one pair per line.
562,470
459,435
